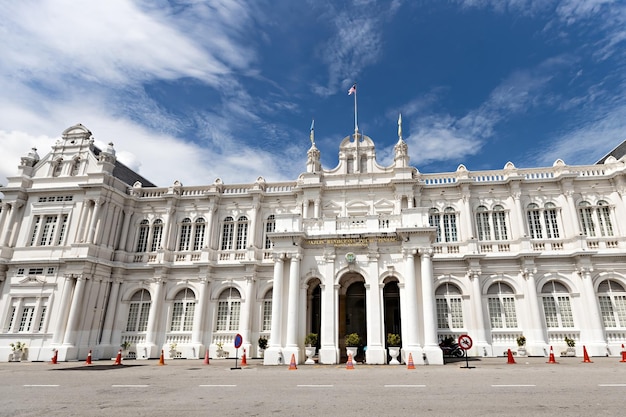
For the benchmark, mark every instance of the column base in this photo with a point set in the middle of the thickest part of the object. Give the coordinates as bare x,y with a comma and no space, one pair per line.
328,355
428,355
148,351
273,356
292,350
375,355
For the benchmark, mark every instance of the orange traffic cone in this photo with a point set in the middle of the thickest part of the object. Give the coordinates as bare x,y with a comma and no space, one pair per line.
510,359
586,356
292,364
206,357
350,364
551,360
244,362
162,358
410,364
88,361
55,357
623,354
118,358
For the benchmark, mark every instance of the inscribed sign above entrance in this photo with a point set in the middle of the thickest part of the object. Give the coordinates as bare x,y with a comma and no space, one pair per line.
352,241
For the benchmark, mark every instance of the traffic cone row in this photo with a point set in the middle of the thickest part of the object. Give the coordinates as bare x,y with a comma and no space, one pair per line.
292,364
118,358
552,360
88,361
350,364
410,364
510,359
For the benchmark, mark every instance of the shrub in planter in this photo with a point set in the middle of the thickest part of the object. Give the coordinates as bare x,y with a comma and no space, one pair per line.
311,339
262,343
353,339
393,339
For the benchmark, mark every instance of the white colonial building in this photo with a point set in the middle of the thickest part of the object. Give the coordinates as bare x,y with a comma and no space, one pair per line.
92,255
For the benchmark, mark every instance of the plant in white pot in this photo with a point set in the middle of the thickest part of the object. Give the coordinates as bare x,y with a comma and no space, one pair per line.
352,345
571,347
521,345
393,343
17,350
262,345
310,346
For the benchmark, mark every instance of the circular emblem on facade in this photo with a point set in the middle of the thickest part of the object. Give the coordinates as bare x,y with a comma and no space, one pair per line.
350,257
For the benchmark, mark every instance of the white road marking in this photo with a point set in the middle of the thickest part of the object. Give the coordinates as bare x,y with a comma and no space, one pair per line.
217,385
40,385
404,386
612,385
130,386
314,386
514,385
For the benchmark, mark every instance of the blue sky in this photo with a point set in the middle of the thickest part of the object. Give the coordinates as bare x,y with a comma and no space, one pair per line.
196,90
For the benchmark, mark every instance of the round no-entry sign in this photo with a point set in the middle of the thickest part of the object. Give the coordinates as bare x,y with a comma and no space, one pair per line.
465,342
238,341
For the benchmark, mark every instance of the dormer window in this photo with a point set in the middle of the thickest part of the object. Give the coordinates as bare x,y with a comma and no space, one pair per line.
57,168
75,167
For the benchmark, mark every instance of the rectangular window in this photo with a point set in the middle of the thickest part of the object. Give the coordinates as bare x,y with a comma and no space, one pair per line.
552,227
606,228
42,318
47,232
242,235
222,316
144,313
442,313
495,313
11,319
549,310
62,230
142,240
534,224
499,226
567,319
620,307
33,238
198,241
606,310
132,317
26,321
156,238
482,220
456,313
190,309
177,316
227,237
434,220
508,304
184,237
267,315
235,307
587,222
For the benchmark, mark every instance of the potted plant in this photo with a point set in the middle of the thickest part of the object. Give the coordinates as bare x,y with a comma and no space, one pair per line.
18,349
173,351
393,343
310,342
352,342
571,350
521,345
125,345
262,345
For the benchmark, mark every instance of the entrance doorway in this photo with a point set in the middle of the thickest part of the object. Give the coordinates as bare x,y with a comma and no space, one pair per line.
391,297
314,309
352,314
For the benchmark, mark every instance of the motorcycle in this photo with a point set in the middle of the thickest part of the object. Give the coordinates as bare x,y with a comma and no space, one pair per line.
451,348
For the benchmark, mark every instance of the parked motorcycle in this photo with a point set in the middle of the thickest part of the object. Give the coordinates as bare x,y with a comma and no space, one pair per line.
451,348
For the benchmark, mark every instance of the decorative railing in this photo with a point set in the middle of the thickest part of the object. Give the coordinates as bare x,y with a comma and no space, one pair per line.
179,339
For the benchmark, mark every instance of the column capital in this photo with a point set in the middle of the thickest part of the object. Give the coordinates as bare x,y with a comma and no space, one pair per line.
584,270
426,252
474,273
409,252
278,256
528,272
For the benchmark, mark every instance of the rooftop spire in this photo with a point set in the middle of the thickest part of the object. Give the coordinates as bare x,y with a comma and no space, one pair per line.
400,127
312,134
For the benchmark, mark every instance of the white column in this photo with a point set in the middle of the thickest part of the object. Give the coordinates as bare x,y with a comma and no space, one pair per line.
155,308
246,311
573,213
375,353
329,351
64,304
198,325
477,306
122,245
292,306
410,289
536,341
75,312
466,217
519,214
112,304
273,355
94,221
8,229
428,297
593,335
317,208
3,213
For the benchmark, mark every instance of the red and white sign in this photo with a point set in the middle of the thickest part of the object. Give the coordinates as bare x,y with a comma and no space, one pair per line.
465,342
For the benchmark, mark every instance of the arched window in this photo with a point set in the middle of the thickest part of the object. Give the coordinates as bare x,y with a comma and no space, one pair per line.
449,307
142,238
491,225
228,308
198,237
138,312
270,226
557,309
242,232
75,166
157,234
267,312
183,310
612,300
501,303
447,233
227,233
185,235
542,222
57,168
595,218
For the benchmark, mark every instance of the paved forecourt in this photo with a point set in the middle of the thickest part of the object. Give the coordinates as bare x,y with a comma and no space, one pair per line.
188,387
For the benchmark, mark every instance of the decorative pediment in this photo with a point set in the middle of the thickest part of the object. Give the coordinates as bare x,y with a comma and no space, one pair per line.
384,207
357,208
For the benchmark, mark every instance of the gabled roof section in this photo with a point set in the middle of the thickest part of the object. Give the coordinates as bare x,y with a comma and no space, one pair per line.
618,153
125,174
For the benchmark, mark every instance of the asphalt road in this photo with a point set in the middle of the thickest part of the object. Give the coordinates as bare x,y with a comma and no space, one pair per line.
189,388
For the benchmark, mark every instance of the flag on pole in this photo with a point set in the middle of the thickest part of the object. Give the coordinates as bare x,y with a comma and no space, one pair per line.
352,90
312,124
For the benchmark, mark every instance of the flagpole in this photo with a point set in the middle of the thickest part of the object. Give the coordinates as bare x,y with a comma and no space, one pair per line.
356,124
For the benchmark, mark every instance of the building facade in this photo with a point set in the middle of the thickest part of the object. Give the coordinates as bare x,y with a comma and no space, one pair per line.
93,257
